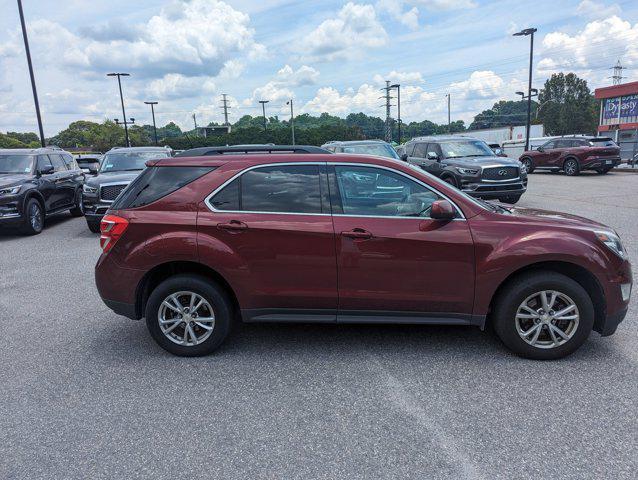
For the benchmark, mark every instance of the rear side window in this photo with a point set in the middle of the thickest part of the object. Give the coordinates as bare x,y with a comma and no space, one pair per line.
155,183
277,189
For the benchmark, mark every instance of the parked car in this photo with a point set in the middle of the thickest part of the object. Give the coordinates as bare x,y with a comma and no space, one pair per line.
470,165
572,155
119,167
36,182
253,148
89,162
195,242
364,147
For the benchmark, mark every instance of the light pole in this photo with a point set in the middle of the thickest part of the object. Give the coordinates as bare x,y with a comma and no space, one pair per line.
398,87
263,107
533,93
292,120
35,92
449,121
119,83
153,113
524,33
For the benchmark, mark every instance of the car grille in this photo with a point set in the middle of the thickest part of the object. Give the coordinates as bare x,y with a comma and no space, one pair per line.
108,193
500,173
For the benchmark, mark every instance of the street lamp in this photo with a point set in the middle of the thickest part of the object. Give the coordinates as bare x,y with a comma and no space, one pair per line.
263,107
449,118
119,83
292,120
35,92
153,113
398,87
524,33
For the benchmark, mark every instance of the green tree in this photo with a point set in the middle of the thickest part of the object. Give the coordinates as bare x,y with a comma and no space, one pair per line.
504,113
26,138
567,106
7,141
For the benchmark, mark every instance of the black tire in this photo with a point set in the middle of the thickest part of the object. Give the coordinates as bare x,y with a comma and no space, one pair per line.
93,225
78,210
33,217
207,289
529,165
511,199
517,290
603,171
451,180
571,167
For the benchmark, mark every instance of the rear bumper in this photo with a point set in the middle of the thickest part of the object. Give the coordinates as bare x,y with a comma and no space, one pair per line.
594,163
117,286
125,309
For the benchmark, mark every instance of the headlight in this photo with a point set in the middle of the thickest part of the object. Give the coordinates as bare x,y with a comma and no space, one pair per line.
10,190
88,189
467,171
612,241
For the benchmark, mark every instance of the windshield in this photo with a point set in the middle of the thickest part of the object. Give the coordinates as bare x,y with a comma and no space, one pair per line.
466,148
602,142
127,161
379,149
16,163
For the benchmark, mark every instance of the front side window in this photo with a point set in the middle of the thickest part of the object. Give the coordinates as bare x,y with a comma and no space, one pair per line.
43,162
128,161
369,191
419,150
16,163
58,163
563,144
550,144
276,189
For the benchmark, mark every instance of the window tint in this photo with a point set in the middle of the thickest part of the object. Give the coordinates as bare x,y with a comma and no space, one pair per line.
369,191
563,144
551,144
420,150
70,162
58,163
155,183
435,148
227,198
43,161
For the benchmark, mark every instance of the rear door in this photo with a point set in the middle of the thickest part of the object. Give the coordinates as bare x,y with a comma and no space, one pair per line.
64,184
394,261
270,230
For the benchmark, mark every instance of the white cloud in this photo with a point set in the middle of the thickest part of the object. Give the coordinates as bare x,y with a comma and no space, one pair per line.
280,87
355,29
304,75
444,4
175,85
481,84
396,9
597,10
399,77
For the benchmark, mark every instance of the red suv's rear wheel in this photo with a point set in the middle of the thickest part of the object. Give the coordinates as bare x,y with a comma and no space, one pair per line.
188,315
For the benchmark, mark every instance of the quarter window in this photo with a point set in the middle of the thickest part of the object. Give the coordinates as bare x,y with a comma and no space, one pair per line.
278,189
369,191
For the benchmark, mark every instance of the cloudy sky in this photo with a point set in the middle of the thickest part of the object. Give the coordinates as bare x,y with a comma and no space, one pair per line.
330,56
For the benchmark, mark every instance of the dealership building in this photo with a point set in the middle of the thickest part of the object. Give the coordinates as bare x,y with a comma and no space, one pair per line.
619,116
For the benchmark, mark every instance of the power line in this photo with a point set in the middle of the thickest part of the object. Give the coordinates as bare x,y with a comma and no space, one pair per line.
225,107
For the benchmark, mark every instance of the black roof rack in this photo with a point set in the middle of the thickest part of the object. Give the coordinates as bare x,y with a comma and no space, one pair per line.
238,149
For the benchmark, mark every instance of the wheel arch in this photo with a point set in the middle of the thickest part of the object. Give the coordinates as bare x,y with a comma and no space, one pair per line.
161,272
580,274
33,193
571,157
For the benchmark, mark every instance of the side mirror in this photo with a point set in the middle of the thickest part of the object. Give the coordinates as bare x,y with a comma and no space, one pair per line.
404,157
540,149
92,168
432,156
442,210
46,170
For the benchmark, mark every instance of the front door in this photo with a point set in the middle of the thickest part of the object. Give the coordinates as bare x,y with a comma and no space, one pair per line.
270,231
46,183
393,260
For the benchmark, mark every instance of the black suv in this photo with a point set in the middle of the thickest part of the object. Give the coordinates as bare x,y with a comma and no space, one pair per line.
470,165
36,182
119,167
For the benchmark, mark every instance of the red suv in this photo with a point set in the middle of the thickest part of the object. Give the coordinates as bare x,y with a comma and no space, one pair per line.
194,243
573,155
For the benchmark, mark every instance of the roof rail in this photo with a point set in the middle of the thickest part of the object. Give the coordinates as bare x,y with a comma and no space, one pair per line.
207,151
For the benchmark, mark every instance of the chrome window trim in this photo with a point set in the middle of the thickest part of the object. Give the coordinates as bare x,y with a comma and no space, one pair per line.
337,164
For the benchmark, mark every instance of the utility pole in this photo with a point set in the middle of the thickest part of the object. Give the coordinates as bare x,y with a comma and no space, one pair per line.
225,107
263,107
449,117
125,121
35,92
153,113
398,87
292,121
387,97
617,76
523,33
195,120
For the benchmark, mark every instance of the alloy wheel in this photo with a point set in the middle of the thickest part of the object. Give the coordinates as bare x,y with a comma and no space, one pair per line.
547,319
570,167
186,318
35,217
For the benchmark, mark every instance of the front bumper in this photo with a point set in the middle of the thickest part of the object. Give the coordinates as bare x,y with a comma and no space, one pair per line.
94,208
494,190
617,289
11,209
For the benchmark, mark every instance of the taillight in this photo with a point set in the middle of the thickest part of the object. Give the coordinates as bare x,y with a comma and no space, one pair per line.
111,228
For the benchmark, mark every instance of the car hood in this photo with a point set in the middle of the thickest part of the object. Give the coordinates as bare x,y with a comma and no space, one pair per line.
113,177
482,161
11,179
556,218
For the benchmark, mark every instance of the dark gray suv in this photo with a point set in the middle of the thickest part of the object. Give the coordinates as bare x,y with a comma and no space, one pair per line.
470,165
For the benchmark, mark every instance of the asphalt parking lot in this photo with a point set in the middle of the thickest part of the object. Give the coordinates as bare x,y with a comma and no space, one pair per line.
87,394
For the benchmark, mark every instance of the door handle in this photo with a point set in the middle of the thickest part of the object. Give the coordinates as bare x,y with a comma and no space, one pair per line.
357,233
233,225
